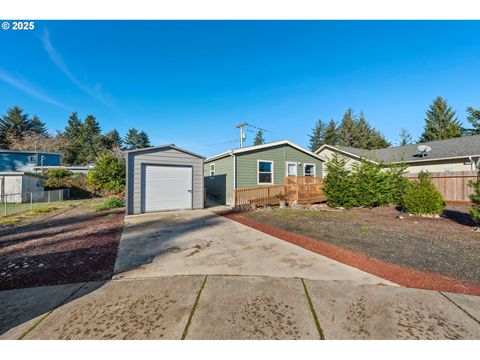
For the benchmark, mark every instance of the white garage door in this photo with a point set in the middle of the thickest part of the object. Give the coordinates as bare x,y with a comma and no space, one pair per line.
167,188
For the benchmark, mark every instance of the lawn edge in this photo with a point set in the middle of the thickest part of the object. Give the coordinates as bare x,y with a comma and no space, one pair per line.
401,275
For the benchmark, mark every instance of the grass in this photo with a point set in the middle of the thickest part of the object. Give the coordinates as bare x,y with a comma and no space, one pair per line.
111,203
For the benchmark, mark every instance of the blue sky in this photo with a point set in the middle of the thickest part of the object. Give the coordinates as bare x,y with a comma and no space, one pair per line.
191,82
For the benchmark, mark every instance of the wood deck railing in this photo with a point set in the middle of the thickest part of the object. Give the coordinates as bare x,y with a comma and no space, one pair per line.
295,190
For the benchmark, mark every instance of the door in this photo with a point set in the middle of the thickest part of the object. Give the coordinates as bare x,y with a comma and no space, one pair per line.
167,188
291,169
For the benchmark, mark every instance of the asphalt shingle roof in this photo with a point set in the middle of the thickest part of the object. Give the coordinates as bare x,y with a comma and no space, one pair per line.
455,147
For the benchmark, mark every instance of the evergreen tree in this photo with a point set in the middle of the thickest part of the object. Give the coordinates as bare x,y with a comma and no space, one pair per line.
330,133
317,138
15,124
91,137
112,140
405,137
37,126
259,140
440,122
74,126
136,140
347,129
73,132
475,197
474,119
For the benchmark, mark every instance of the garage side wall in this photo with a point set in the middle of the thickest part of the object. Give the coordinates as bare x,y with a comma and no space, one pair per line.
166,156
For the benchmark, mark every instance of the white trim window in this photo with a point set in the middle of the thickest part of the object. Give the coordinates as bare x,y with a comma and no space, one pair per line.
309,169
212,170
291,168
31,159
264,172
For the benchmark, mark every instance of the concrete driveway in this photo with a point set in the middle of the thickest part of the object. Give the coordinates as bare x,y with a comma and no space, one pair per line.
200,242
196,275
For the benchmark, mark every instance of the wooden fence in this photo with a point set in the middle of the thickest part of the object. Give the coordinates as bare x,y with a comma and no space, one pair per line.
296,189
452,185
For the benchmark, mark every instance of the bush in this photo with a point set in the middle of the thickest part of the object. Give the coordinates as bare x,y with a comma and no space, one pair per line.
366,184
475,197
62,178
108,176
422,197
111,203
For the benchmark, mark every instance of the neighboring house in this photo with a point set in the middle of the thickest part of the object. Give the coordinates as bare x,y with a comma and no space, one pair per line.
450,155
17,187
259,165
74,169
25,161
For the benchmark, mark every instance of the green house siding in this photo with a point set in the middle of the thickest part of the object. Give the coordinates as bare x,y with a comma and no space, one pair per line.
247,164
220,186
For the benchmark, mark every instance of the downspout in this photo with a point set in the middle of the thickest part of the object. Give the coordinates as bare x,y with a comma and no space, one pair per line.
234,180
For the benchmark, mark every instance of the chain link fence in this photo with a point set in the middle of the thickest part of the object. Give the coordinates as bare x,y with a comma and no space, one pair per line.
11,204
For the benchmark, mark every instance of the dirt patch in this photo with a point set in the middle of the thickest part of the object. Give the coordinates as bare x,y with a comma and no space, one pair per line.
437,254
75,245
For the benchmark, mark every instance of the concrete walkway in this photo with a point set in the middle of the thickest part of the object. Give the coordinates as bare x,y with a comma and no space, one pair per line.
235,307
196,275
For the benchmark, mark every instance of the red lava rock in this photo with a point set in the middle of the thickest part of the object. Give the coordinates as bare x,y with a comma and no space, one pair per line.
398,274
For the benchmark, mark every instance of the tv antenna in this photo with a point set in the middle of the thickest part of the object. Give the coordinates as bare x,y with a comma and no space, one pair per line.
424,150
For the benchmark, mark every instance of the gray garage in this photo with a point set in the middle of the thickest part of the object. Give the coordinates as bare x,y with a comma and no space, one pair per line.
163,178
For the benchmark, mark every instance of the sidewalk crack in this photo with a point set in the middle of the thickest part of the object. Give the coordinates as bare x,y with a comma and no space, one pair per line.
312,310
461,308
195,304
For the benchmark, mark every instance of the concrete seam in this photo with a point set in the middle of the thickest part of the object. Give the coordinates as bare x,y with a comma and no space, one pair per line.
461,308
26,332
195,304
312,310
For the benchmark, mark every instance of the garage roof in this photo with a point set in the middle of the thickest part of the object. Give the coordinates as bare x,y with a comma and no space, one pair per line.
172,146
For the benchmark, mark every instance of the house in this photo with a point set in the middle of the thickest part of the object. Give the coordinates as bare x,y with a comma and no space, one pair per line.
25,161
17,187
259,165
163,178
450,155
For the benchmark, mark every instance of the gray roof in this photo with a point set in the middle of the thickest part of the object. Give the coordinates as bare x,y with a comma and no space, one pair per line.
173,146
464,146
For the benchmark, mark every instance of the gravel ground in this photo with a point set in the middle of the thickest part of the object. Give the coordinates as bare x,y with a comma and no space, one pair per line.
69,246
446,246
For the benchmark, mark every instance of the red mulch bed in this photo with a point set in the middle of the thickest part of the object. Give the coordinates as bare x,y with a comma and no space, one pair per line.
77,245
398,274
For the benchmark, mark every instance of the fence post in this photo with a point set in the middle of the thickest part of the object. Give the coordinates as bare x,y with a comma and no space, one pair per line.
31,200
48,192
5,202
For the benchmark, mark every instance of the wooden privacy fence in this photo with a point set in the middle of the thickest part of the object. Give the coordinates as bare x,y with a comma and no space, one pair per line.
296,189
452,185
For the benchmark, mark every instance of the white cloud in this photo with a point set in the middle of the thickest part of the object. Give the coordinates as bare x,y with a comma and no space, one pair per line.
94,91
25,86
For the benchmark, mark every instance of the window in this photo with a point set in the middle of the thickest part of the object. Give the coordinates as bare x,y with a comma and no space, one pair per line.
309,170
265,172
31,159
212,170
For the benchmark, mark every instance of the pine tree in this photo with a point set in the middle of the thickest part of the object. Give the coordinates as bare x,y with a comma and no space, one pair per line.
15,124
330,133
112,140
91,138
74,126
317,138
405,137
347,135
259,140
441,122
474,119
136,140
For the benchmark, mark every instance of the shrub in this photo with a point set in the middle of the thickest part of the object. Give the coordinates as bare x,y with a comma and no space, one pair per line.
366,184
108,176
62,178
475,197
422,197
110,203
